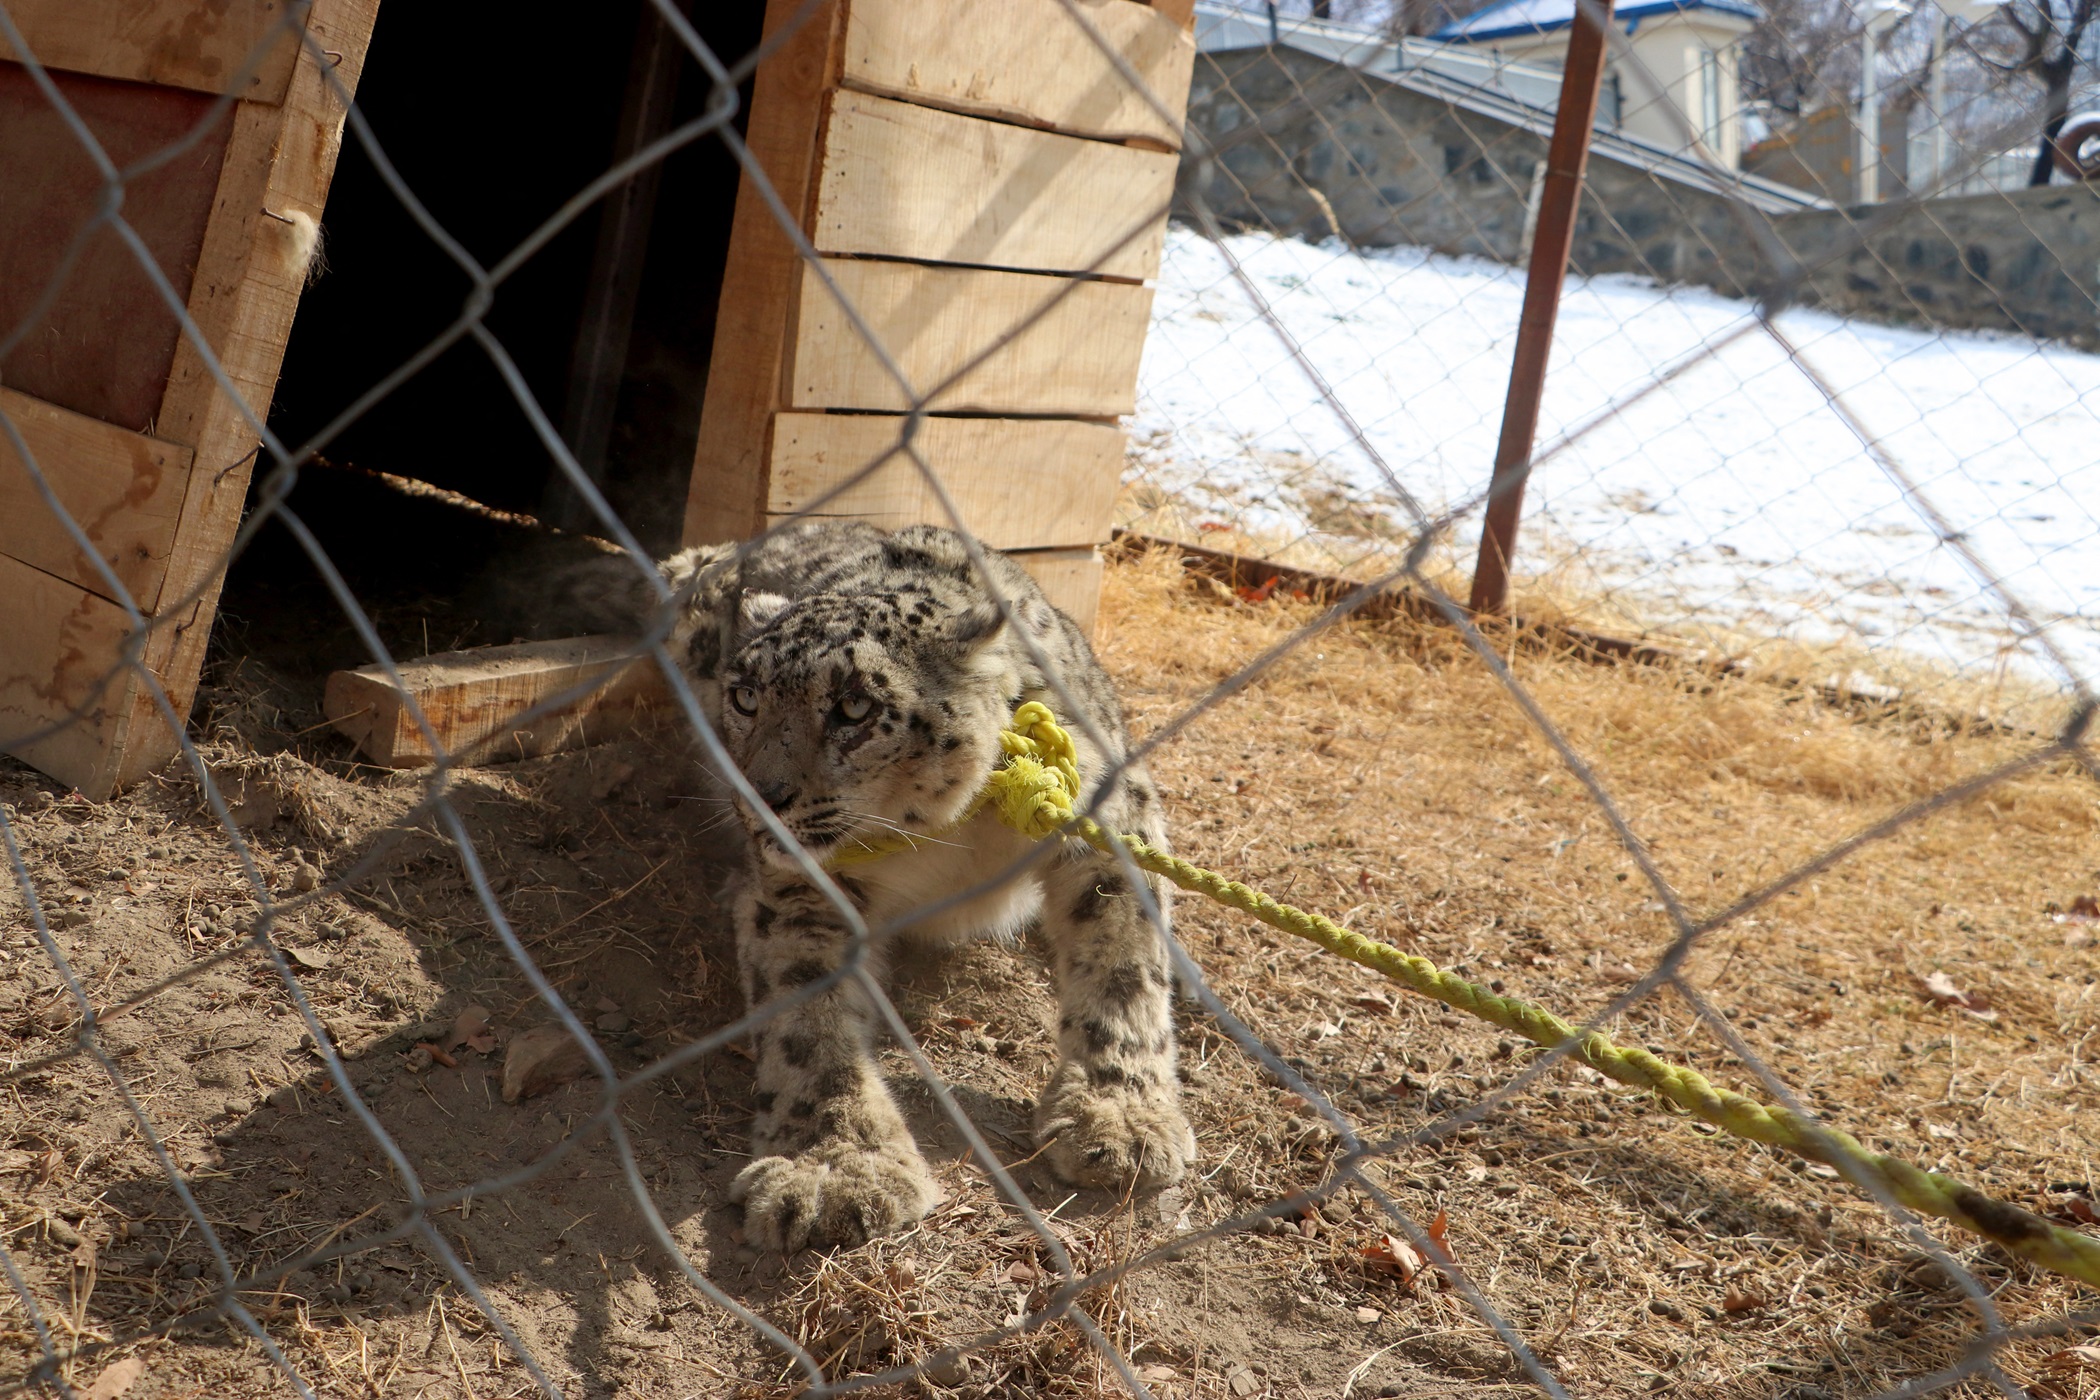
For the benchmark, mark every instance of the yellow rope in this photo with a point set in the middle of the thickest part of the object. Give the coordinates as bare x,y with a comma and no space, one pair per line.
1034,792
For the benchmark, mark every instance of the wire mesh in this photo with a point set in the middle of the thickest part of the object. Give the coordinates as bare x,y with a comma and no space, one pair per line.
1774,469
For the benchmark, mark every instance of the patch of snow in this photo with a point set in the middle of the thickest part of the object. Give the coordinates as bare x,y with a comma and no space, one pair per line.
1736,495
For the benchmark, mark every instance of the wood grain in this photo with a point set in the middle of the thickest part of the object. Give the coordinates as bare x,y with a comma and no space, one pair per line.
906,181
124,489
1078,359
170,43
1069,578
1024,61
58,643
1018,482
761,282
278,163
471,700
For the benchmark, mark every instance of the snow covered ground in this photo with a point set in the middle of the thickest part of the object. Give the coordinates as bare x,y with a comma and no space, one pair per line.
1735,497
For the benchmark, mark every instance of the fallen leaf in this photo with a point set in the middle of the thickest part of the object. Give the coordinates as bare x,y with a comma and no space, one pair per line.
116,1378
1396,1257
1941,989
1740,1300
471,1029
1439,1233
2073,1359
2085,907
1373,1001
540,1059
438,1053
1368,1314
312,959
1022,1272
1156,1373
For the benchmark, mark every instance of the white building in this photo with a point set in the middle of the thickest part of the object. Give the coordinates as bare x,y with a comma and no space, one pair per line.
1682,72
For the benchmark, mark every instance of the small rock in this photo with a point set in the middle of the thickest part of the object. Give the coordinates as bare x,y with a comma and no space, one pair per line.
1368,1314
190,1269
305,878
613,1022
540,1059
61,1233
1243,1382
947,1370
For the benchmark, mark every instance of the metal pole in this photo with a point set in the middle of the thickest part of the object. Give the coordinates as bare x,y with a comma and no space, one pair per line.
1939,102
1550,246
1273,36
1869,121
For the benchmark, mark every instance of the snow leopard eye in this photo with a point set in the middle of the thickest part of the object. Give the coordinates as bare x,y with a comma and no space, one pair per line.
855,708
745,698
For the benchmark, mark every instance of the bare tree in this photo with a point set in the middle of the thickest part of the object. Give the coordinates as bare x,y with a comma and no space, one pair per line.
2053,34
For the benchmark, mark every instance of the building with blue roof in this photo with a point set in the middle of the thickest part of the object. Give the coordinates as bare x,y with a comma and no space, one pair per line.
1684,80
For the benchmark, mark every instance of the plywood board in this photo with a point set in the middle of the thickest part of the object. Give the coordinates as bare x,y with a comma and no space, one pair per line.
1017,482
905,181
104,344
1077,355
1024,61
761,281
60,647
124,489
247,45
473,700
1069,578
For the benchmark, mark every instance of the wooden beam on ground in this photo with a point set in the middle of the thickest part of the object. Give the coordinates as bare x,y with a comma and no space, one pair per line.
472,701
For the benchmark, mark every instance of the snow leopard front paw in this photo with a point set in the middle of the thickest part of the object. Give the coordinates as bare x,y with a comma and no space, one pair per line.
1113,1137
834,1194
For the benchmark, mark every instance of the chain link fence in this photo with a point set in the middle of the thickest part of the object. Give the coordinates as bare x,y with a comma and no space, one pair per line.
1736,493
254,1145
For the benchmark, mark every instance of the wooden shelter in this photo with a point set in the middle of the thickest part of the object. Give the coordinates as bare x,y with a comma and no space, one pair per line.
980,180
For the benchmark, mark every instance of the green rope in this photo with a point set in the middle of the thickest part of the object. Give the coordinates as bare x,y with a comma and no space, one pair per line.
1034,793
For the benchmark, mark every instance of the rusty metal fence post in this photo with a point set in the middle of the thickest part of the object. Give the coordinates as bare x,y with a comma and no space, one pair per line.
1558,199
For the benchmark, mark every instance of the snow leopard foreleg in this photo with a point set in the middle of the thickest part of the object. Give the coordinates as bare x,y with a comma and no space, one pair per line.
1111,1114
836,1164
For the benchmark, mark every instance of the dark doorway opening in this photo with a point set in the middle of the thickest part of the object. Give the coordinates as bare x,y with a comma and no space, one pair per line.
493,121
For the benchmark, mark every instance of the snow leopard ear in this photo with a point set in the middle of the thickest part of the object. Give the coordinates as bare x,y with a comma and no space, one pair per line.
975,625
756,609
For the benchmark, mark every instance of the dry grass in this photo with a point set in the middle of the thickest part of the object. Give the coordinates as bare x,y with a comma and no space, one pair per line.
1376,773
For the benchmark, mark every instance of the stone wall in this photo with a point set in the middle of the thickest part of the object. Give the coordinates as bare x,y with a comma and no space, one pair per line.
1311,148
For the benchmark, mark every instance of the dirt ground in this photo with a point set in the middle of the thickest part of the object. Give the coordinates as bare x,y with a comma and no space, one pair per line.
1377,774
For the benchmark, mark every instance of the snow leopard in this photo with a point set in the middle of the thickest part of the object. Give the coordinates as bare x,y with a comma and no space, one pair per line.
859,680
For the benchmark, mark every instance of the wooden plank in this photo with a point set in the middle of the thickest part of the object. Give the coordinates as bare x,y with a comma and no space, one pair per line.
1078,359
761,282
257,248
1069,578
104,344
58,643
1017,482
1024,61
472,699
124,489
906,181
171,43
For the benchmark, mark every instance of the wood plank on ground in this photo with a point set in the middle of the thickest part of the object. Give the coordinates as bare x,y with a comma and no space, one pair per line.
1017,482
472,700
1077,358
172,43
124,489
1069,578
1025,61
905,181
58,645
761,281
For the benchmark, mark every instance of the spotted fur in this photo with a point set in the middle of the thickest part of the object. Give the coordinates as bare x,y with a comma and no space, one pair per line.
859,680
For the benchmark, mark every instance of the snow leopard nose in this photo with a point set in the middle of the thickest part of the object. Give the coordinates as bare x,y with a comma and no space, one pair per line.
778,796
